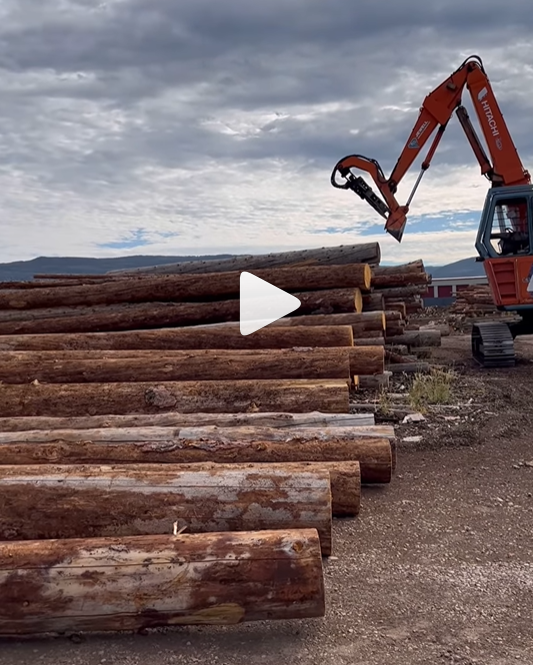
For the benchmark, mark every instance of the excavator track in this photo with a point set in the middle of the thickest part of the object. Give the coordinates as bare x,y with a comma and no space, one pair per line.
493,344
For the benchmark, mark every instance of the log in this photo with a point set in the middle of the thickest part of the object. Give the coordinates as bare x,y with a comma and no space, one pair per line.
129,583
94,366
398,292
373,454
373,302
409,368
416,338
376,382
326,256
396,305
369,341
173,288
170,435
285,420
403,275
146,316
361,322
72,501
329,301
185,339
298,395
345,481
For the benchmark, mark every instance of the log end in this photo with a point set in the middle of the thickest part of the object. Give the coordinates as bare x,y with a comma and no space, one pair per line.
358,301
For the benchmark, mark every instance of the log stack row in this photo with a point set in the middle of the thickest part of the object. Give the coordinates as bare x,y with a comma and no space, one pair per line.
159,470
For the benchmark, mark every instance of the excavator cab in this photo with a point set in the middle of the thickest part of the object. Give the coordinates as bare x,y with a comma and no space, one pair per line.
505,245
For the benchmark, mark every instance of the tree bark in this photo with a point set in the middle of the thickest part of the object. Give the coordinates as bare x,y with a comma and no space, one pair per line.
297,395
325,256
284,420
176,288
373,302
361,322
416,338
185,339
116,584
407,274
170,434
146,316
96,366
373,454
330,301
402,291
72,501
376,382
369,341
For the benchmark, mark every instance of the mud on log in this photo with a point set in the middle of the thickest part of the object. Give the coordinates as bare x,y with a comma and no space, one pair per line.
177,288
185,339
203,365
221,445
345,480
297,395
284,420
73,501
115,584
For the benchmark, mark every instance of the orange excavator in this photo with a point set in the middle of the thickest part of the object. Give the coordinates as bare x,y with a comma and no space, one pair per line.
506,224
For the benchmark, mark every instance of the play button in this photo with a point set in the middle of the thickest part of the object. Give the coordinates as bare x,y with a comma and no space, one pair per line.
262,303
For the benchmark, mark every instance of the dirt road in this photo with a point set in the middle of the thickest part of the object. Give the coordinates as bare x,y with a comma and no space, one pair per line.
438,568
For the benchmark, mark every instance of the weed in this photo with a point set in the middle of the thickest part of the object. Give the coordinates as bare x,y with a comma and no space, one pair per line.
432,388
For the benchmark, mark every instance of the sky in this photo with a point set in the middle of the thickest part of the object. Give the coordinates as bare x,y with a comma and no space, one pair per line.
201,127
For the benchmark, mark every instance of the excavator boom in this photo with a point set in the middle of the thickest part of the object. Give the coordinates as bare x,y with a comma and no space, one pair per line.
505,169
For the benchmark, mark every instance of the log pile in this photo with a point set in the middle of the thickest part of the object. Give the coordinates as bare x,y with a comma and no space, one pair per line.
474,300
231,453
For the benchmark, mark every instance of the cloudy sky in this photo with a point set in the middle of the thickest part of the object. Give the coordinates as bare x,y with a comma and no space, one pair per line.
196,126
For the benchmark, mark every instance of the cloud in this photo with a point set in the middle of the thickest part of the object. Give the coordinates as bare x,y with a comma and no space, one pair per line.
185,127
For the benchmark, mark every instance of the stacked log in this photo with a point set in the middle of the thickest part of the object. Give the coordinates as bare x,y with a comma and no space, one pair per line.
129,583
139,391
474,300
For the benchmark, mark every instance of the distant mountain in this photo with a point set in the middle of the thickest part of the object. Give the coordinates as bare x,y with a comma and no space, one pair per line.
25,270
464,268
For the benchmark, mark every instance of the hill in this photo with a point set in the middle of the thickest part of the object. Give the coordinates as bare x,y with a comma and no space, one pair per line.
25,270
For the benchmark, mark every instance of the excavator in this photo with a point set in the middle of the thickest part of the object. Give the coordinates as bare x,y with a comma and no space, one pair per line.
506,224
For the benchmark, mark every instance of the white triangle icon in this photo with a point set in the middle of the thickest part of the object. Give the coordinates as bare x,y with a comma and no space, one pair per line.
262,303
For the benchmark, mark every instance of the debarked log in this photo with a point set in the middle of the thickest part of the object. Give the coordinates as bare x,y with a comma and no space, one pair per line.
130,583
67,501
76,399
221,445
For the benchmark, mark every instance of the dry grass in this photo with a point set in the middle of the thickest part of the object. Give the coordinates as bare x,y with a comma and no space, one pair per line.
433,388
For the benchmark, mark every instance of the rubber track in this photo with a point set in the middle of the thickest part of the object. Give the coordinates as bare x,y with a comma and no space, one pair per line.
493,344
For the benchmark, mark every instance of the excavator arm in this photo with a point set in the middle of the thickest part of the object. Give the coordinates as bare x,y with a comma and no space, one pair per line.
437,109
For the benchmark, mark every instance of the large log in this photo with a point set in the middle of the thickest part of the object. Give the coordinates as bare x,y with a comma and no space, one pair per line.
129,583
361,322
285,420
329,301
402,291
345,480
46,501
96,366
407,274
326,256
146,316
176,288
170,434
221,445
298,395
186,338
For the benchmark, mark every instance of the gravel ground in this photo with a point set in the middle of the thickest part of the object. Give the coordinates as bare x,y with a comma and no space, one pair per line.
437,568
